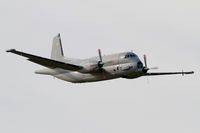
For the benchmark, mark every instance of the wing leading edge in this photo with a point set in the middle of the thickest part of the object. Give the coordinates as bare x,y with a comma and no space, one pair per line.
46,62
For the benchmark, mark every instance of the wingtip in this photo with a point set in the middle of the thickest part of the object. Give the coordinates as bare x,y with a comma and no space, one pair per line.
10,50
191,72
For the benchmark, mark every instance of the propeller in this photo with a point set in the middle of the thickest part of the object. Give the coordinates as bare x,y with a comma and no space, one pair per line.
145,68
100,62
145,60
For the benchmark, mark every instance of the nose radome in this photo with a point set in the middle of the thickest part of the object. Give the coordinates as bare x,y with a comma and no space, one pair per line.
139,65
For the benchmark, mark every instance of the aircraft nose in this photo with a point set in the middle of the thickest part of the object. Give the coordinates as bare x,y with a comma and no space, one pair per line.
139,65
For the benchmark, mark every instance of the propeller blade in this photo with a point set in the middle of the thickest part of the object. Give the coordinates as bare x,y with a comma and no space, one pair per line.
100,63
100,57
153,68
145,69
145,61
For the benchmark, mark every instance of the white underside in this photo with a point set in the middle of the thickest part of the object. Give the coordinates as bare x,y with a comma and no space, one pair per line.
77,77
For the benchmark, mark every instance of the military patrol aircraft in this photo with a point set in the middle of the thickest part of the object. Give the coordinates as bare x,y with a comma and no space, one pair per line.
121,65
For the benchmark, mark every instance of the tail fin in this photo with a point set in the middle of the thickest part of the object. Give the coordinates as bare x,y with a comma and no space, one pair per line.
57,51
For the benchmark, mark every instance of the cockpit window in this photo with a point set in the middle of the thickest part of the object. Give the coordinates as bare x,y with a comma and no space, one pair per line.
130,55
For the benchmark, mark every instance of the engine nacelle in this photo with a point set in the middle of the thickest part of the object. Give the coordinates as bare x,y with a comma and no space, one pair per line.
89,68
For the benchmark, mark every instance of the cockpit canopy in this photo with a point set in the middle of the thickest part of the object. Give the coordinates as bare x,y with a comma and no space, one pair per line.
130,55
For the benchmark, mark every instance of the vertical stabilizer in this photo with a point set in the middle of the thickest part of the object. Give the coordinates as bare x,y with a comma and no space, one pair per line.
57,51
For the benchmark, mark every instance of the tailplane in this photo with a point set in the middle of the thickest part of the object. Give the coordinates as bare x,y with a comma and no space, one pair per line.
57,51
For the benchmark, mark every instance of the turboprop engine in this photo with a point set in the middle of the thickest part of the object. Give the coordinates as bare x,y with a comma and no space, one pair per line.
93,66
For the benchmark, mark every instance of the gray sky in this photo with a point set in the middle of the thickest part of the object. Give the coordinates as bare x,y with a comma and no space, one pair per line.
167,31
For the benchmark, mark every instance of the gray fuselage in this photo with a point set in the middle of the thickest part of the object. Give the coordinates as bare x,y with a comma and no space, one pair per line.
121,65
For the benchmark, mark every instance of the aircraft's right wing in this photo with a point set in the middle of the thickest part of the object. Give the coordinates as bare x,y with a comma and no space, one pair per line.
46,62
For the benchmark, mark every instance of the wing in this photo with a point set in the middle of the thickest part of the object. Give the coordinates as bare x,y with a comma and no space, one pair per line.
167,73
46,62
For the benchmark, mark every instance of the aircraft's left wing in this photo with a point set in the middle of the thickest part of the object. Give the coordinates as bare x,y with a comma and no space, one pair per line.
167,73
46,62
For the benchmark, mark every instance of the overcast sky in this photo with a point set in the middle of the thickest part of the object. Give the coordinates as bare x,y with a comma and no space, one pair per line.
168,32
